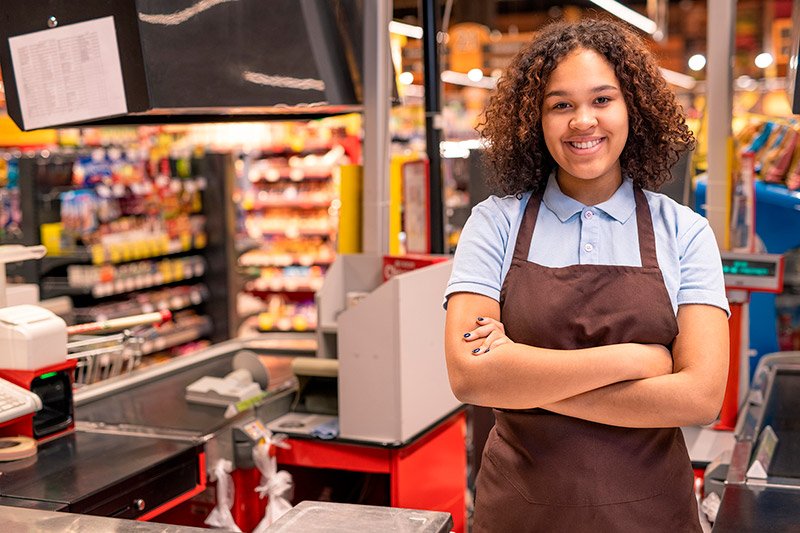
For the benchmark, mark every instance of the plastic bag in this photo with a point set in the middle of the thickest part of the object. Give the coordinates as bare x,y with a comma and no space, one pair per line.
274,484
710,506
221,516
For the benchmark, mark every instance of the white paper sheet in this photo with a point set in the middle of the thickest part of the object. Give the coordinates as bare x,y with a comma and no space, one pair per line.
68,74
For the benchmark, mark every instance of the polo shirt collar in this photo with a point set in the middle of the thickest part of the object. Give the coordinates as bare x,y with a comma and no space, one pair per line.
620,206
559,203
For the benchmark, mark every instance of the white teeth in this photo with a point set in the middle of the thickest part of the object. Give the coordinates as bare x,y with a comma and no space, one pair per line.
585,145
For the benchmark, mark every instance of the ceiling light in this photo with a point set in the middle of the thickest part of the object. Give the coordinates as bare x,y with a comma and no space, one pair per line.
697,62
475,74
401,28
763,60
459,78
406,78
628,15
678,79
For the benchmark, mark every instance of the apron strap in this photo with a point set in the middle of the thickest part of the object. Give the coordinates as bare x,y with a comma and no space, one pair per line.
644,223
523,245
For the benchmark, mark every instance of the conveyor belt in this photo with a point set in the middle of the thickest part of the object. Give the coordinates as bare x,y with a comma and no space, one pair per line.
161,404
756,510
771,504
783,415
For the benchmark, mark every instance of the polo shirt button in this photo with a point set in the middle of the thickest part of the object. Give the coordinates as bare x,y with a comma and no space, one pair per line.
588,215
588,247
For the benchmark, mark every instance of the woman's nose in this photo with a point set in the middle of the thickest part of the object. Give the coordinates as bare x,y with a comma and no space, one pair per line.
583,120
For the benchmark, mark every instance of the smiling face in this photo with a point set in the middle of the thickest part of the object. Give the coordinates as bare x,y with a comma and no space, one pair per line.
585,125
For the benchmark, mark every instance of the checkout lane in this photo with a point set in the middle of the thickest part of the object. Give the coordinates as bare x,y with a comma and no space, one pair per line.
762,487
148,411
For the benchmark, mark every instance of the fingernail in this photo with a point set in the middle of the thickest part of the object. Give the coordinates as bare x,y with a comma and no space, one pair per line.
480,319
476,350
467,335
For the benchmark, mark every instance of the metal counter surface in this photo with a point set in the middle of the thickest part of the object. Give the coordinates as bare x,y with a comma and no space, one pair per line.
21,520
748,509
31,504
160,403
326,517
152,401
85,470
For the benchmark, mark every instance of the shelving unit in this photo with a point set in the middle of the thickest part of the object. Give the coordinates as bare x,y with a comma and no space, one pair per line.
165,244
288,202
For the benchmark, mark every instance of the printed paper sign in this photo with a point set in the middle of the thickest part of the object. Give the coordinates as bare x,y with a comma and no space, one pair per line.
68,74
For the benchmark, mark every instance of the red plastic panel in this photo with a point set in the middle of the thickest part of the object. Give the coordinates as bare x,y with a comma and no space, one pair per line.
432,474
317,454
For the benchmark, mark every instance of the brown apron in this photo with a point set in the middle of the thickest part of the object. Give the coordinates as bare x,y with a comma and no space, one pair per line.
542,471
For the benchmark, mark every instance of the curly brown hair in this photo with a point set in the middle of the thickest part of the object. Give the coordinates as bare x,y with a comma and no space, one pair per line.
512,120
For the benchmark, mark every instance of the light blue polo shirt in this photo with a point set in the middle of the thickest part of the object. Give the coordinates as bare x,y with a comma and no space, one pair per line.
570,233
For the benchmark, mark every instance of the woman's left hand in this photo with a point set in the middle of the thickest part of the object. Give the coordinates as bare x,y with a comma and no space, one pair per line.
490,331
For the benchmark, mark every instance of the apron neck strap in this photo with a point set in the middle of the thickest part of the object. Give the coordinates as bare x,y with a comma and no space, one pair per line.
523,246
644,224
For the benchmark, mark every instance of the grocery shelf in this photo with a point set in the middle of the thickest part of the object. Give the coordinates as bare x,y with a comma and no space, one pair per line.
61,287
175,338
266,292
292,204
51,262
278,264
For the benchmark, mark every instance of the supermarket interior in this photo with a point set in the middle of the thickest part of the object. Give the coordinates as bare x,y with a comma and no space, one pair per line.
228,227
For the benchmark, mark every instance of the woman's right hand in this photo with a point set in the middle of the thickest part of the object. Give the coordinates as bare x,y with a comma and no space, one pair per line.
655,360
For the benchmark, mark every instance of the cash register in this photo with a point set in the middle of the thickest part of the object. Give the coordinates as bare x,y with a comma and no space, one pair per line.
36,374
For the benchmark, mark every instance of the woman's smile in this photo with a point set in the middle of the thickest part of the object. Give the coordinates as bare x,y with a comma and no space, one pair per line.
585,147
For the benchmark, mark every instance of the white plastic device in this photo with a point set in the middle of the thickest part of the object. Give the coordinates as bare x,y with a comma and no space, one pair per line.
235,387
16,401
31,337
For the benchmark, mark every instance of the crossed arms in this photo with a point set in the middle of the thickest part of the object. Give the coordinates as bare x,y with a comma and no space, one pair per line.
631,385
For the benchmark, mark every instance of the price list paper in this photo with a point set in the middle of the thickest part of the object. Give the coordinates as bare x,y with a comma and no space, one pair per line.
68,74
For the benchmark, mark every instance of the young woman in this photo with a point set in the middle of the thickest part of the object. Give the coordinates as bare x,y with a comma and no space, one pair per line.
587,310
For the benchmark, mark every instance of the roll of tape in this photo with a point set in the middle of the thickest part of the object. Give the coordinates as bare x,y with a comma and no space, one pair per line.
314,366
13,448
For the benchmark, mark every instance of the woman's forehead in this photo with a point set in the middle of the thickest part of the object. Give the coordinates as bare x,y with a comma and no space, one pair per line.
581,68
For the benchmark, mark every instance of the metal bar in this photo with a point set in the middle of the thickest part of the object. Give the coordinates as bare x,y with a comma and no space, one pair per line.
433,128
719,74
377,97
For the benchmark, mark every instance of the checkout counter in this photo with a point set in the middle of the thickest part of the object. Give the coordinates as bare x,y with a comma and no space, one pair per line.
761,491
140,449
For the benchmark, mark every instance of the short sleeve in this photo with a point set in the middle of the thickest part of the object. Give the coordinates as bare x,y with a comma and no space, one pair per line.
478,262
702,281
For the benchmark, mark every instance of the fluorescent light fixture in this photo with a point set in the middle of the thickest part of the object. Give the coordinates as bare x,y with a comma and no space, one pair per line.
628,15
459,149
697,62
409,30
459,78
678,79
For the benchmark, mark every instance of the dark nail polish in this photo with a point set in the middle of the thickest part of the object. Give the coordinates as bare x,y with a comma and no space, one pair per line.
476,350
480,319
467,335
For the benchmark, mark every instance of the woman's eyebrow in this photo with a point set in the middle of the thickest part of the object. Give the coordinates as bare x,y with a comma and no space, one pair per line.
598,89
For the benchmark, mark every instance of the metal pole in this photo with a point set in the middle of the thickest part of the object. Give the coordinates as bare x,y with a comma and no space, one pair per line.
377,98
433,127
719,83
